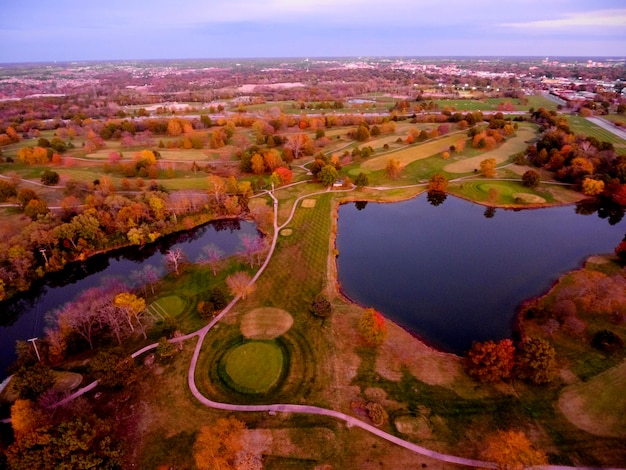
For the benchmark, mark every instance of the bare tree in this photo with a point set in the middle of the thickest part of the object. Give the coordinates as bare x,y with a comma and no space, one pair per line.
211,255
253,248
174,258
239,283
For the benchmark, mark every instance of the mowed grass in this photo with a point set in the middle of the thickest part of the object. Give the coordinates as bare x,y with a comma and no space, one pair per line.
254,367
580,125
412,153
598,406
501,154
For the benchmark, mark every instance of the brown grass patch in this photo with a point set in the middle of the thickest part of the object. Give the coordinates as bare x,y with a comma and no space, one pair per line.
417,426
265,323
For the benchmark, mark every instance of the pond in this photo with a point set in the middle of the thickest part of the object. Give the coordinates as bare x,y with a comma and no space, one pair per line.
23,317
455,272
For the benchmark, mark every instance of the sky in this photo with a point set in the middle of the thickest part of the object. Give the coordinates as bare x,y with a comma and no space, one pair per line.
74,30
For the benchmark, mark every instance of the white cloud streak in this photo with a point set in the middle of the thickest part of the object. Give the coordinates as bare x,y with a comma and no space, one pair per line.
590,19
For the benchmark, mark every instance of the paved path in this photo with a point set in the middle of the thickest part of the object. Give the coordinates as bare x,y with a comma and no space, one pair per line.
609,126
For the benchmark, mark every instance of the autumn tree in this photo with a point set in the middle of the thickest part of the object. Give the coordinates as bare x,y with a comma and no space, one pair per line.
217,445
531,179
438,182
7,190
536,361
361,180
285,175
372,327
393,168
82,441
240,284
30,382
511,450
50,178
298,145
35,208
26,417
216,187
113,368
488,167
490,361
592,187
328,175
132,308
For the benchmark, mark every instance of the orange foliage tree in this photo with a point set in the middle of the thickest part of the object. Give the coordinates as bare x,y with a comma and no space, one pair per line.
217,445
489,361
511,450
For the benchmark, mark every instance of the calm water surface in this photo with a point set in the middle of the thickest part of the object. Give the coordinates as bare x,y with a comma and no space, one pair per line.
451,275
24,317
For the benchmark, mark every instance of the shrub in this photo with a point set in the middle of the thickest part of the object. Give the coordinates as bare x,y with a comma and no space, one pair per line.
531,179
607,341
50,178
320,307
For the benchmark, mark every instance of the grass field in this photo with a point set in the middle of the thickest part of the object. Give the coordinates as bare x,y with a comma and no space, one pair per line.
254,367
501,154
598,406
580,125
412,153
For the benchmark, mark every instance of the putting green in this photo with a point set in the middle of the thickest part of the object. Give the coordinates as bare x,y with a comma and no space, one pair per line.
265,323
254,367
171,304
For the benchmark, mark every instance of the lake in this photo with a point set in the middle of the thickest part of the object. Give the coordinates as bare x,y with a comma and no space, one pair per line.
23,317
456,272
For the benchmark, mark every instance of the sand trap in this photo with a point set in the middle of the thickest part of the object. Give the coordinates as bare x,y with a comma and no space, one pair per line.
265,323
414,425
309,203
529,198
286,232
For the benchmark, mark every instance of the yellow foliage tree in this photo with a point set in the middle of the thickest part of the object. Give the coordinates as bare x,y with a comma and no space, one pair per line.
372,327
488,167
592,187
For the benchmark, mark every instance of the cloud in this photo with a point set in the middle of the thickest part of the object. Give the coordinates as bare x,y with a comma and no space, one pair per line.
590,19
